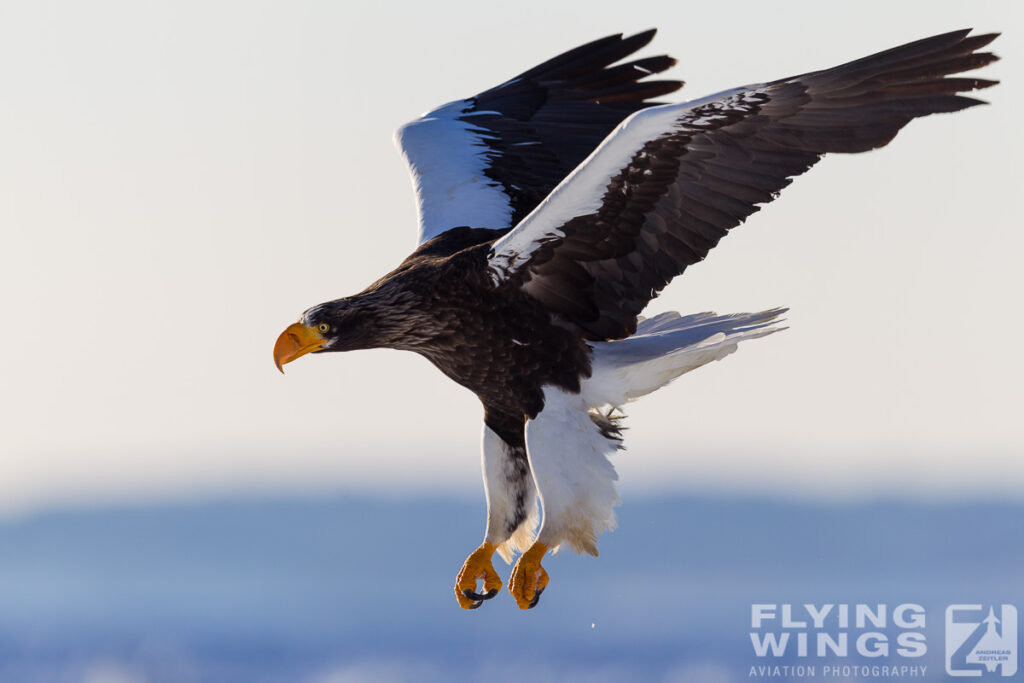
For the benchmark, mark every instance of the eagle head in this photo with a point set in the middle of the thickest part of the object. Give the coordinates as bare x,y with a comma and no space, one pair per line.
334,326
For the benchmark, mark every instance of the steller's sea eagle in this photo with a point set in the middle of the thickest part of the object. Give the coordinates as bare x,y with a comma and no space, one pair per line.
552,209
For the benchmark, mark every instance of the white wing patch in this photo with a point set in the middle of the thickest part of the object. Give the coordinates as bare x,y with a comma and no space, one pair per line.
583,191
447,158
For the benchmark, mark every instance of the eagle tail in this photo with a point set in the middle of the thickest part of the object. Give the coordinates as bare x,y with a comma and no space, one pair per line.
665,347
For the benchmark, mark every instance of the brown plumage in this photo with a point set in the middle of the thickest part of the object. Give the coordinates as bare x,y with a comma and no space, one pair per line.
499,343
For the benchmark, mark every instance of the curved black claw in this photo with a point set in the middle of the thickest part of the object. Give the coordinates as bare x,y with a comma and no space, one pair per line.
536,598
479,599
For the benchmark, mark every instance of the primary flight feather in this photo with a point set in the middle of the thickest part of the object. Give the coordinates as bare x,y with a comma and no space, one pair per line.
552,209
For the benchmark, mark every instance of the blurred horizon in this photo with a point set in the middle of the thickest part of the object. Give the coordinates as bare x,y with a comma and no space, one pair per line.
806,481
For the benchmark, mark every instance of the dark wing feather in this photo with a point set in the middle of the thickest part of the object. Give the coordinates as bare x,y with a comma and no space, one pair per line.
661,192
508,147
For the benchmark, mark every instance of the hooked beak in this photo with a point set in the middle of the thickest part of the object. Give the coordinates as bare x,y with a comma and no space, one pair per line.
297,340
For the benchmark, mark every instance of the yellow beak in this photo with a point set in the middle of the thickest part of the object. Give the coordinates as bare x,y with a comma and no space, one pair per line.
297,340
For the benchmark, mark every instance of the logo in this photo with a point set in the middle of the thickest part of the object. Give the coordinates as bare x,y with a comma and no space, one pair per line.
981,640
838,641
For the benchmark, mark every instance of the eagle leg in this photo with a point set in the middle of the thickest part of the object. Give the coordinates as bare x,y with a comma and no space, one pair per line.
477,567
529,579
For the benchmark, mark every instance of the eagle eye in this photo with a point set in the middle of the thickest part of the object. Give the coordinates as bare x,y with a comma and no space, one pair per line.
323,327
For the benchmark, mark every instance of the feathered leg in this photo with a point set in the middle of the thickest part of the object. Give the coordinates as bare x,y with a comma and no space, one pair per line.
568,454
511,509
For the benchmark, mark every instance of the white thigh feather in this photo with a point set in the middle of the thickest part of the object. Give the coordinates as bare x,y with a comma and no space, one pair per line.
575,480
507,490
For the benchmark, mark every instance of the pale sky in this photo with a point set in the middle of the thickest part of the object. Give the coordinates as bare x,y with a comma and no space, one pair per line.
179,180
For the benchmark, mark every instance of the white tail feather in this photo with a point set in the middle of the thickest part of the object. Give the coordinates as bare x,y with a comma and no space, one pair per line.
665,347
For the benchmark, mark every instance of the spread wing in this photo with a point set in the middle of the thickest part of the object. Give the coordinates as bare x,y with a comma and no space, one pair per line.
661,192
487,161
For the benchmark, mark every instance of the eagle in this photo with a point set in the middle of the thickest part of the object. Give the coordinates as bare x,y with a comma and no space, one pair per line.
552,208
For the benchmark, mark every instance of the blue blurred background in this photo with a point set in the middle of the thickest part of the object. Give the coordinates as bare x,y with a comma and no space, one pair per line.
342,589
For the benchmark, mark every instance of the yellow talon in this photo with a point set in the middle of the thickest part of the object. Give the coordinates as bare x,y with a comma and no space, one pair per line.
477,567
528,578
